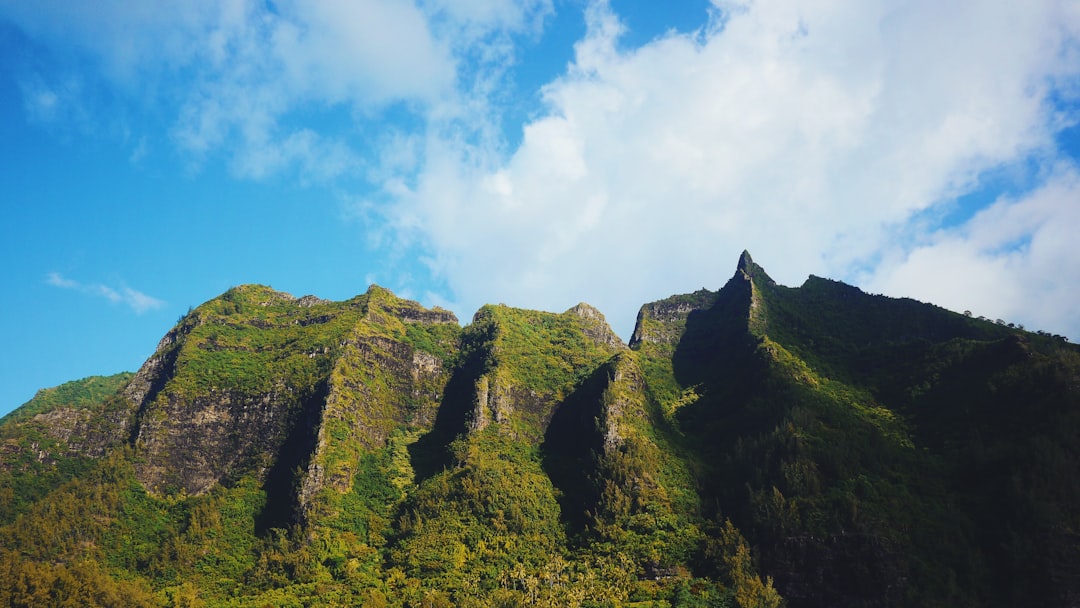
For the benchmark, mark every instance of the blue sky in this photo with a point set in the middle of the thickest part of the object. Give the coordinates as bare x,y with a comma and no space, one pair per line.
537,153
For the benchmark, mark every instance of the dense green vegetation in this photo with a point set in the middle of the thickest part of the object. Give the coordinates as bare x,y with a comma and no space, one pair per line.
40,441
855,449
79,394
887,442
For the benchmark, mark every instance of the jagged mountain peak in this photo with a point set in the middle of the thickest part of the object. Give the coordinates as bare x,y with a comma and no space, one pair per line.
749,269
408,311
375,289
281,450
663,321
252,370
586,311
745,261
595,325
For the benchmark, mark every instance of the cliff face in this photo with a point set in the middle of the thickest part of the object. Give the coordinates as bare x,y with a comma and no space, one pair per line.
257,381
77,420
390,375
857,450
530,361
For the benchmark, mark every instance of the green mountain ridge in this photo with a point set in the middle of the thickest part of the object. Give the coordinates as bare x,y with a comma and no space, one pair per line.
759,445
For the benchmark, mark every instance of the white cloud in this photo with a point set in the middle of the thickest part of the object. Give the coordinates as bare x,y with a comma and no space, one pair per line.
56,102
317,158
1015,260
823,135
246,77
484,16
129,40
138,301
57,280
240,72
134,299
366,51
140,151
810,133
263,67
41,103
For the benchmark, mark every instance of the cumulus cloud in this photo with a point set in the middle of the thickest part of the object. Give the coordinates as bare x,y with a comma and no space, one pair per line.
1014,260
826,137
812,133
134,299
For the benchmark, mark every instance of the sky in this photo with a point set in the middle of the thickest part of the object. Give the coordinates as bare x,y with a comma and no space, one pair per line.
536,153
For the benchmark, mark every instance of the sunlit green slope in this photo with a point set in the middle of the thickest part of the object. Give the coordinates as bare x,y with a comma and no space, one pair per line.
820,443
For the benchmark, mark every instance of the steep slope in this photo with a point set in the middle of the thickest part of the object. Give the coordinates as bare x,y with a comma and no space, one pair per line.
859,450
492,509
278,450
253,415
56,435
555,487
625,486
841,432
259,381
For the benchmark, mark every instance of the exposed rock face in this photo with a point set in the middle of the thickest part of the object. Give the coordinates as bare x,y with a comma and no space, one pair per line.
256,372
662,322
85,432
494,403
532,360
596,326
192,440
378,384
309,300
153,373
414,314
746,263
193,444
66,433
500,402
80,419
626,406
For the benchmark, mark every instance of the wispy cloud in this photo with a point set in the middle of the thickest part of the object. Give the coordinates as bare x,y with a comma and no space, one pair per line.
57,280
236,75
136,300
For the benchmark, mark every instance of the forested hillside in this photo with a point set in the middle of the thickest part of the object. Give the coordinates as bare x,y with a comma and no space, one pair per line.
755,446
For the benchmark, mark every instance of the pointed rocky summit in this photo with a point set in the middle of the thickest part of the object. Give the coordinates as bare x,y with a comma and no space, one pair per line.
751,270
746,263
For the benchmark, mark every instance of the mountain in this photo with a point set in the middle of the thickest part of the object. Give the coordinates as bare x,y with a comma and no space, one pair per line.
759,445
